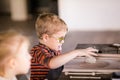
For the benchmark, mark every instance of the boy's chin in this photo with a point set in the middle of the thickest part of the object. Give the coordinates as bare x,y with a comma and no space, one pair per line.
59,48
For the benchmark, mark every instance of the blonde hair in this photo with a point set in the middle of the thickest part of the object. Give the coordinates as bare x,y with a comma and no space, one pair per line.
48,23
10,42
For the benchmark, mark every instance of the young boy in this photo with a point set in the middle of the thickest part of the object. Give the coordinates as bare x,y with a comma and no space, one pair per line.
47,60
14,55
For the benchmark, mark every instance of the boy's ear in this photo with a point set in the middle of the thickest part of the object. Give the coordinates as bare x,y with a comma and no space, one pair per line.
45,37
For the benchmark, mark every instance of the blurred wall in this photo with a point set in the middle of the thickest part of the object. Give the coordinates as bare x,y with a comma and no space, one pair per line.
90,15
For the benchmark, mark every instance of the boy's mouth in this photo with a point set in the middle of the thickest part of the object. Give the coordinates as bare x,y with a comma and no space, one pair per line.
59,47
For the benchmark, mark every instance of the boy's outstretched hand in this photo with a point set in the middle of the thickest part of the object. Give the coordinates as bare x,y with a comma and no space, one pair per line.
88,52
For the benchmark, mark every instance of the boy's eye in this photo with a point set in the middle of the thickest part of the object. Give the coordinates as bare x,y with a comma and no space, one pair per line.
61,39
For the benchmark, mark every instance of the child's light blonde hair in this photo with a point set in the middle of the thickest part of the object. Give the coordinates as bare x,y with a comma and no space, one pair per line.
49,23
10,42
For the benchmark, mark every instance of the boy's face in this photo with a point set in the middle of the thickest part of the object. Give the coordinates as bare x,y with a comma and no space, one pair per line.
55,41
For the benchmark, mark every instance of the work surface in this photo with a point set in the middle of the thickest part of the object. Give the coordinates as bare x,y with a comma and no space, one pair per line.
104,63
108,60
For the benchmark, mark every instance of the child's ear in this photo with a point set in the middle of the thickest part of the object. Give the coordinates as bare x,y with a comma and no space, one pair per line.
45,37
12,63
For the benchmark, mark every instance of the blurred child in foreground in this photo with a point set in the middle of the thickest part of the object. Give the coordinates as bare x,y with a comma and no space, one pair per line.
14,55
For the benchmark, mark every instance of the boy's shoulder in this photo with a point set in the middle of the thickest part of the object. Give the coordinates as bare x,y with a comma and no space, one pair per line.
40,47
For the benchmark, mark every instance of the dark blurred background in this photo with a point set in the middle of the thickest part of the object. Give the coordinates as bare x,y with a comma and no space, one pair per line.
33,6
